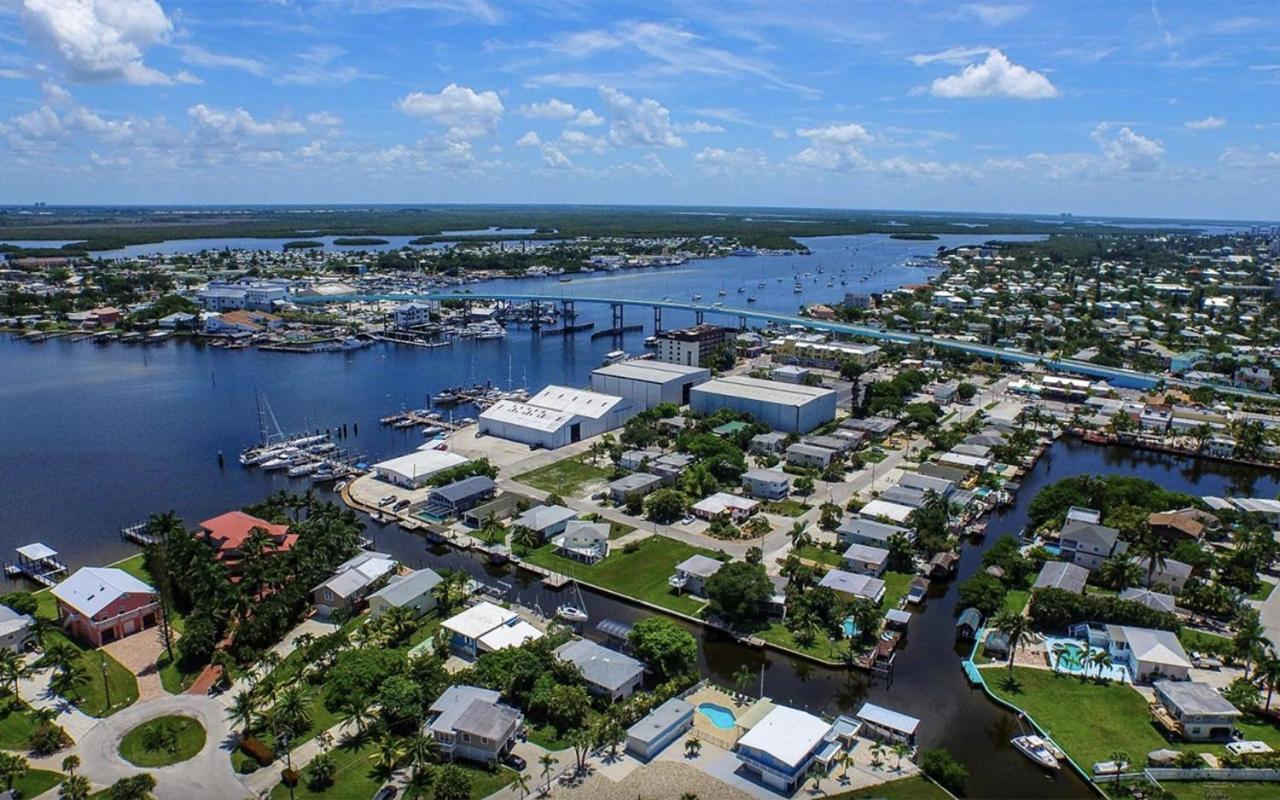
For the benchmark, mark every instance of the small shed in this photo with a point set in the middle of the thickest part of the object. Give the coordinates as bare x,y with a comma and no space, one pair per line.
997,645
968,624
917,590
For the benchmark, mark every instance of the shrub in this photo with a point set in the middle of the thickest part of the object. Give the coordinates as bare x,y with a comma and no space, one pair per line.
943,768
321,772
257,750
1058,608
47,739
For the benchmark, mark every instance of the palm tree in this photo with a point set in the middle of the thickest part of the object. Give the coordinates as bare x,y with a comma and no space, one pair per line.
70,764
846,760
386,755
522,784
1100,659
61,655
692,746
12,669
1059,651
1014,626
423,751
548,763
742,679
582,741
1250,637
76,787
1120,572
358,710
1269,671
1150,547
69,682
1119,758
901,750
12,768
243,710
294,707
799,535
877,755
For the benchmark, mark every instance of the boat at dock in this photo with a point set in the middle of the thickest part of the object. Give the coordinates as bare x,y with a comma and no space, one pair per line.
1036,749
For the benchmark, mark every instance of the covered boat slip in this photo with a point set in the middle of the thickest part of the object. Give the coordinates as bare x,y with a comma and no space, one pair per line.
879,722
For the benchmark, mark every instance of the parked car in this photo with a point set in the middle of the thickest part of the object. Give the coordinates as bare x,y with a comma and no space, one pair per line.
386,793
515,762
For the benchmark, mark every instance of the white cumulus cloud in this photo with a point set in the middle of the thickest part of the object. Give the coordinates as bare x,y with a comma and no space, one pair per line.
639,122
698,126
225,124
99,41
847,133
993,14
466,113
1206,124
997,76
1127,149
530,139
719,161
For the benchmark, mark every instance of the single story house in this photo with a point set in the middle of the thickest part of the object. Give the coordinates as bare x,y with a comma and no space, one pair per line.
722,504
877,509
414,591
607,673
637,484
352,582
659,728
17,631
865,559
1195,711
102,604
452,500
1156,601
471,724
1062,575
860,530
854,585
486,627
1148,653
692,573
546,521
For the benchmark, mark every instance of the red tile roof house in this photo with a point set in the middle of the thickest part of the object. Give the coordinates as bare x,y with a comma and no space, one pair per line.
227,533
102,604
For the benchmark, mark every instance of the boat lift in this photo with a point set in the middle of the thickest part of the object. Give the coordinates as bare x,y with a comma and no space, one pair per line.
37,562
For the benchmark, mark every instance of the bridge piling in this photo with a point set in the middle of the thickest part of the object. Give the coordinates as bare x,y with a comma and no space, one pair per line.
657,320
617,316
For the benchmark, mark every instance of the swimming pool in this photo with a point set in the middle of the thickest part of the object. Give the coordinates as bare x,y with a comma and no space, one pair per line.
850,628
1072,657
719,716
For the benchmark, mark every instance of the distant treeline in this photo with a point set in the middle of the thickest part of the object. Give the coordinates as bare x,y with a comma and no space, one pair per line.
112,228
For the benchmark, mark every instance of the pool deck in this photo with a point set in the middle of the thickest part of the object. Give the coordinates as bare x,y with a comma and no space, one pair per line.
722,737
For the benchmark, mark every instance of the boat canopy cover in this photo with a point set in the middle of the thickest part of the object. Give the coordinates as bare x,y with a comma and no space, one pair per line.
37,551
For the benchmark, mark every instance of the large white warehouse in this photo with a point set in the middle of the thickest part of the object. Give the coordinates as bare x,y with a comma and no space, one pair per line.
647,383
785,407
555,417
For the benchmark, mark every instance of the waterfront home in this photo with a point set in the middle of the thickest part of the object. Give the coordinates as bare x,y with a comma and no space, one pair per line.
1195,711
607,673
771,443
1087,543
860,530
866,560
241,322
583,541
1176,526
352,582
413,591
471,724
1156,601
809,455
927,483
414,470
555,417
967,625
102,604
853,585
546,521
766,484
486,627
723,504
692,573
884,510
1062,575
1148,653
887,725
227,534
637,484
1171,574
904,496
451,500
17,631
659,728
784,745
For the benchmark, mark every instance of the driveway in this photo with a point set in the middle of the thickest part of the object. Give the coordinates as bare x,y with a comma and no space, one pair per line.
35,690
209,774
138,654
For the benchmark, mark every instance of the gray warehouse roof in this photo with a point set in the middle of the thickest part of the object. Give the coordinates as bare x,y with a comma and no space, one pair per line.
651,371
789,394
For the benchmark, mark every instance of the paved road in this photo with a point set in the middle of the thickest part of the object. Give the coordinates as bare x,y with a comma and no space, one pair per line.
36,692
209,774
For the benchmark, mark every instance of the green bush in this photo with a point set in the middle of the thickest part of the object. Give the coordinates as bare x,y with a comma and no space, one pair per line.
1059,608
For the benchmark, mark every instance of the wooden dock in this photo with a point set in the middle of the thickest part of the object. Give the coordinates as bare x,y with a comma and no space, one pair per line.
137,533
550,578
38,563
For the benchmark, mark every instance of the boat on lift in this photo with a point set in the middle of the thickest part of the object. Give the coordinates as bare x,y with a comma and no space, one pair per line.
571,613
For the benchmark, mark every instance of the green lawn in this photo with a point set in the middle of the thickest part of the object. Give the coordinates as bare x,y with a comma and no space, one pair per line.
565,477
174,677
1016,599
1263,591
914,788
36,782
822,647
1202,790
120,683
1203,641
784,508
188,742
355,779
16,724
895,588
642,574
831,558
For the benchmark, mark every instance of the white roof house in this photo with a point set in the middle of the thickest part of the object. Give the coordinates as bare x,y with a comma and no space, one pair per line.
854,583
413,469
787,734
512,635
722,502
876,509
486,627
353,576
91,589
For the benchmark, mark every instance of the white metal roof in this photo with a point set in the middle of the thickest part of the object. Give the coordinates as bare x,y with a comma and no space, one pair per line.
479,619
526,415
790,394
91,589
723,501
421,463
787,734
513,635
37,551
888,718
883,508
650,371
581,402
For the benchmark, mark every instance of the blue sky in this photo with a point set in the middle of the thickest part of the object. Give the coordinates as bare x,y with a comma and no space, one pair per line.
1136,108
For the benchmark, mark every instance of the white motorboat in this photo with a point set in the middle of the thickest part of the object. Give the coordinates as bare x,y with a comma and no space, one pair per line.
277,463
1036,749
571,613
304,469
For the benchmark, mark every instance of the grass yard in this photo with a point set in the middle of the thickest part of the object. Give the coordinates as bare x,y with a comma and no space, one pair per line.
1205,790
641,574
92,697
188,741
1016,599
895,588
1088,720
16,723
36,782
1204,642
1263,591
355,778
565,477
830,558
174,677
914,788
822,647
784,508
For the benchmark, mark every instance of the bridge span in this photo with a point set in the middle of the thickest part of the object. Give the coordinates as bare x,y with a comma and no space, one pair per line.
1121,375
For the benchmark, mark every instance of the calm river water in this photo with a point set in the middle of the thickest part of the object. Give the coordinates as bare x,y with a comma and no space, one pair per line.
93,438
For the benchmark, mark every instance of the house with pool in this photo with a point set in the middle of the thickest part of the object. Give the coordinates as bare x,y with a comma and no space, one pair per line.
781,748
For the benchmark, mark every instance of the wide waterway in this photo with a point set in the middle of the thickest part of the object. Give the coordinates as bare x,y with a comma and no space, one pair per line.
94,438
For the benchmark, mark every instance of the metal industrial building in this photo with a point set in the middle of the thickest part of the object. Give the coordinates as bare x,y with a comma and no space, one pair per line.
555,417
647,383
782,406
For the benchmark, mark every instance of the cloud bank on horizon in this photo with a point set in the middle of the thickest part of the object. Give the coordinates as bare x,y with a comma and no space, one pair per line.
1139,108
